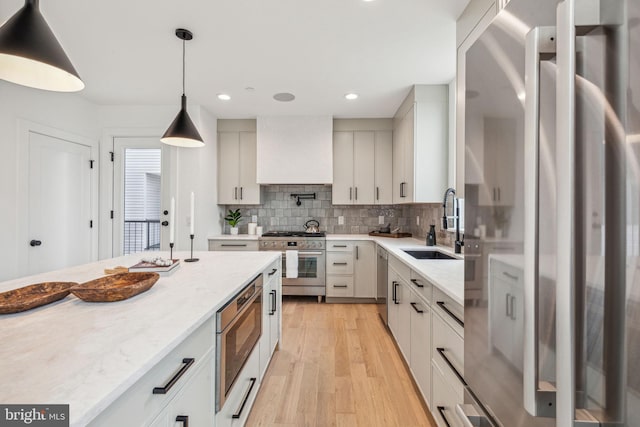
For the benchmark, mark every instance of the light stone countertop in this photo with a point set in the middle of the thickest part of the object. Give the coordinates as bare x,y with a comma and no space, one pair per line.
88,354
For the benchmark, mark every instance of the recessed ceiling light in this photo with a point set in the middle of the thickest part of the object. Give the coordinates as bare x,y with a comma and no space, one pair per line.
284,97
351,96
224,97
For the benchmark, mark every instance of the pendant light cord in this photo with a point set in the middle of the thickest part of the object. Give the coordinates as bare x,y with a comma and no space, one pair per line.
183,66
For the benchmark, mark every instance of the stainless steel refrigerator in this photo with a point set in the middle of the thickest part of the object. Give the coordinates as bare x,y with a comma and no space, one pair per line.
552,189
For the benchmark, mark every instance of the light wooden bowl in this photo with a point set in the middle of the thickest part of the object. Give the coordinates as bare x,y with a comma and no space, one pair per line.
32,296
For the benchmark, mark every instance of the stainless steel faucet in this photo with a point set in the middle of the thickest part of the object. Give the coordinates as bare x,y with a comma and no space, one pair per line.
459,242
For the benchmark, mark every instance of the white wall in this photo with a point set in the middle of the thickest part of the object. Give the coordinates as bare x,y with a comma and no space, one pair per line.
67,112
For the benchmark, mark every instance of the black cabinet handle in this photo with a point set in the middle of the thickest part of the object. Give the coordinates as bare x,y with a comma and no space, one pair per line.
235,193
274,303
273,272
240,193
415,282
35,243
188,361
165,223
339,246
510,276
377,193
184,419
244,399
413,304
395,292
443,416
234,245
339,263
458,321
356,193
441,351
340,286
357,253
350,193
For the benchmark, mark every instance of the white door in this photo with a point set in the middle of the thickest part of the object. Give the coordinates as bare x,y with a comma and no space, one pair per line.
228,167
141,195
342,189
59,203
363,168
384,168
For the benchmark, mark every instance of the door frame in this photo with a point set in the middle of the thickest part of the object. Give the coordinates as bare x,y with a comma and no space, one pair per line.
106,202
25,127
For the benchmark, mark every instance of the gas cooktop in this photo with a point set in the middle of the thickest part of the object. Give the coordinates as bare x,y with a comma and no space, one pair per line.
293,234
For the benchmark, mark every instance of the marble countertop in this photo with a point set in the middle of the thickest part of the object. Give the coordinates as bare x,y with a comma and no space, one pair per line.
87,354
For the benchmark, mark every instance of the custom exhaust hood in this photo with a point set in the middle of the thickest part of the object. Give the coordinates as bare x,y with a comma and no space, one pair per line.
295,150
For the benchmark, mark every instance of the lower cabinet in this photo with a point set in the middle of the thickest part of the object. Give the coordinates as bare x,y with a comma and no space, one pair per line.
271,314
420,347
445,399
350,268
233,244
399,310
238,404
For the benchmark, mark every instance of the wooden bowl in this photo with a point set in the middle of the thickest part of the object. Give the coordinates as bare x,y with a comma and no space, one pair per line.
116,287
32,296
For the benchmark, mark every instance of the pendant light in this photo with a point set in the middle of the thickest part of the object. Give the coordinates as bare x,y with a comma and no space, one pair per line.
30,54
182,132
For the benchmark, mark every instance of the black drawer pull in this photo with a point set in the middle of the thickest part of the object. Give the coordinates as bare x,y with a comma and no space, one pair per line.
444,417
441,304
274,303
184,419
188,361
339,246
395,292
244,399
510,276
273,272
448,362
340,263
413,304
234,245
415,282
340,286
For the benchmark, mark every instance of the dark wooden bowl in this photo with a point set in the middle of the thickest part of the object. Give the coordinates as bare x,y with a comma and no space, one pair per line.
116,287
32,296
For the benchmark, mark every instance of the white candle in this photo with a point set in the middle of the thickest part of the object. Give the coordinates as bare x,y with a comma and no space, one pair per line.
172,221
193,210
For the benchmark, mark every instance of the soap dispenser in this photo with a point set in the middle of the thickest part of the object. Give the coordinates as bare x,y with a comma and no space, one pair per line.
431,237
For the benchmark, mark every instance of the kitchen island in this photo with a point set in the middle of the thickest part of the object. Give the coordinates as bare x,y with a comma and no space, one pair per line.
88,355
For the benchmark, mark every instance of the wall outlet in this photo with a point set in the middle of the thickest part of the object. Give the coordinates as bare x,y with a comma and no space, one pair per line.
381,219
418,220
340,220
254,218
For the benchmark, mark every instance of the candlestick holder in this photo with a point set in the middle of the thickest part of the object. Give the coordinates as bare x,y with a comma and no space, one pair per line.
171,251
192,259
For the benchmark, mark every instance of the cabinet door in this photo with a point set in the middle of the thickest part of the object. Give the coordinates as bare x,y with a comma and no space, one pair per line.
408,123
501,323
517,325
249,191
365,270
398,161
364,168
276,318
342,189
384,168
392,306
195,400
265,339
420,347
403,295
499,163
161,420
228,165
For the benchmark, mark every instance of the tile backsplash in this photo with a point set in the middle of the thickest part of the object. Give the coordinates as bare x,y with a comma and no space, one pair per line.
279,211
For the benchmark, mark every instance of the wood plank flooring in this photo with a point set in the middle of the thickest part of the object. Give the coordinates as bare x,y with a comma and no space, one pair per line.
336,366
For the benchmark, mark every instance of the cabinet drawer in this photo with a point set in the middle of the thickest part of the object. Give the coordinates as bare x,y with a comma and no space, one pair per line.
451,311
273,272
138,405
448,347
400,267
339,286
340,246
444,400
242,394
339,263
505,272
421,286
233,245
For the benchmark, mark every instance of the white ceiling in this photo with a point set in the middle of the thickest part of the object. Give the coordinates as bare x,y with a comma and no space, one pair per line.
127,53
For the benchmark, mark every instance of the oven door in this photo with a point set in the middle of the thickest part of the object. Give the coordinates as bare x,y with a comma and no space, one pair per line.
310,269
234,345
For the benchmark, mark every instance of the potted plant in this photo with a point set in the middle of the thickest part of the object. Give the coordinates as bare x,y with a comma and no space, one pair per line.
233,218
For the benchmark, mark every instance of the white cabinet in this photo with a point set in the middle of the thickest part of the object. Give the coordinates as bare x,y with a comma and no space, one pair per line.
361,167
193,404
237,183
420,347
506,287
498,187
233,245
350,269
271,314
445,399
242,395
399,312
420,145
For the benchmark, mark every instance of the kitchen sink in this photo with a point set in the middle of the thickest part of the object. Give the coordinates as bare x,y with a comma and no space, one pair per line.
427,254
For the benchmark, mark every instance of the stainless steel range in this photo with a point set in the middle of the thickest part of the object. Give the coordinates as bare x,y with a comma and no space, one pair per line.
310,249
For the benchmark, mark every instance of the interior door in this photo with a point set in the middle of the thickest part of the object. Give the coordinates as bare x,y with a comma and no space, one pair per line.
141,195
59,203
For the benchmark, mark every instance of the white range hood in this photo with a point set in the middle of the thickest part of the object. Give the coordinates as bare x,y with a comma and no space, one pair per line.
295,150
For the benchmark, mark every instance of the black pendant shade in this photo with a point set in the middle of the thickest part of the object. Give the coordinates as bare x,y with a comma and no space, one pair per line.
182,132
30,54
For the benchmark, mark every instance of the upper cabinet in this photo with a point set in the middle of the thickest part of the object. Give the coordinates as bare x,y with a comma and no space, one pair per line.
420,146
362,162
237,163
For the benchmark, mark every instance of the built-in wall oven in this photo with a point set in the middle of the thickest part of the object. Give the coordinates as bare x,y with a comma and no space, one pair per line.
238,329
310,248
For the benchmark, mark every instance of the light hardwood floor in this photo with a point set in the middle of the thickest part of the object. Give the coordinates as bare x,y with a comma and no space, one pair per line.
336,366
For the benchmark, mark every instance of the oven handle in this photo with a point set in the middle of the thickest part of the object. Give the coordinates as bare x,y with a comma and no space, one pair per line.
303,253
247,306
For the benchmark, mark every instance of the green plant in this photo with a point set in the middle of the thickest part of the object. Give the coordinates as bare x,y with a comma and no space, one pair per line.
233,217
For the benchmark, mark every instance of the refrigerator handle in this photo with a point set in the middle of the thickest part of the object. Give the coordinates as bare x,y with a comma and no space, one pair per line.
539,397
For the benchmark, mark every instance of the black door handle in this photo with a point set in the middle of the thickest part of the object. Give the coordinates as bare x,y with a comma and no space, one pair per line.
184,419
165,223
35,243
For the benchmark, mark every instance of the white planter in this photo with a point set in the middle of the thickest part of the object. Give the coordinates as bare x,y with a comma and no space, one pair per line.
234,230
